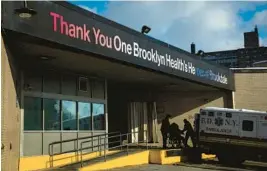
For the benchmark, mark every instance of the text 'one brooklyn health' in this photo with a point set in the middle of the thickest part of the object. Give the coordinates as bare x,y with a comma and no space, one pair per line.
95,36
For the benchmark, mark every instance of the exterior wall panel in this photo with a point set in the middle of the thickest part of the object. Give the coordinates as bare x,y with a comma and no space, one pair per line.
69,145
97,141
32,144
85,134
251,91
48,138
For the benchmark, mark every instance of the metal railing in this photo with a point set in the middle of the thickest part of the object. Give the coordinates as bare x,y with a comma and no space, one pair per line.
107,143
119,138
75,147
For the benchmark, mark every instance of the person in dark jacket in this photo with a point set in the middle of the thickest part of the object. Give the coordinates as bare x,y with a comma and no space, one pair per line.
189,133
165,130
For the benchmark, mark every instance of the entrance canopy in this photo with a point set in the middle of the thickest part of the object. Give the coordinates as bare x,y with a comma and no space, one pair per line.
108,47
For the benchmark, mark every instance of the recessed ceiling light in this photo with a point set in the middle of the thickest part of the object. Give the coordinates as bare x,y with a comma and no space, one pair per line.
44,57
25,12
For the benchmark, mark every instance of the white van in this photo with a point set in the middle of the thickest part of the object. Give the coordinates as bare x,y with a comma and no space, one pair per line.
234,135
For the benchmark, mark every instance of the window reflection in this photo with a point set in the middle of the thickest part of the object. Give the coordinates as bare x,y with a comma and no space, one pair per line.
33,113
99,116
62,114
51,114
69,115
84,110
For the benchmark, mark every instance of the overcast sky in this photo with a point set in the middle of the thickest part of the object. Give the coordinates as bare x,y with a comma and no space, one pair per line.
212,26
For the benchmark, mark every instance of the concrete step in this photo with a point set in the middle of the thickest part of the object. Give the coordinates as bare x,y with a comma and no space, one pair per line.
172,156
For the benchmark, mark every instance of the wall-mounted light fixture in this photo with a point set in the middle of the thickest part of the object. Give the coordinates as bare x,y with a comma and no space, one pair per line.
44,58
145,29
25,11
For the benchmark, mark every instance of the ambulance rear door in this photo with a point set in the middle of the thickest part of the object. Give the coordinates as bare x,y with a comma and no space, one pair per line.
248,125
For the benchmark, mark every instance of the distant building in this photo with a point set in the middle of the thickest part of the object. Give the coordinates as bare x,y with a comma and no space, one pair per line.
251,55
251,39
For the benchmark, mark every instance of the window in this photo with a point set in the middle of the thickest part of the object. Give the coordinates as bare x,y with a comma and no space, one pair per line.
69,118
51,114
228,115
211,114
219,113
99,116
85,119
247,125
33,118
203,113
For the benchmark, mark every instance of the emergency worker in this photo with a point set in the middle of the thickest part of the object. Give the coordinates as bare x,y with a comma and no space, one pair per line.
165,130
189,133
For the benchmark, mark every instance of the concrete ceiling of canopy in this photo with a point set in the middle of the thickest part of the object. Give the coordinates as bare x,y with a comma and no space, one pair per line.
32,54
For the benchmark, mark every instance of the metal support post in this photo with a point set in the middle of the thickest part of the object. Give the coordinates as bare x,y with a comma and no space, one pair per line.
121,141
137,138
81,154
146,140
105,143
75,148
127,145
92,143
99,146
52,162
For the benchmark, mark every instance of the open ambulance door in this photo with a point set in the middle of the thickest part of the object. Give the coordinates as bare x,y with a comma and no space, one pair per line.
196,125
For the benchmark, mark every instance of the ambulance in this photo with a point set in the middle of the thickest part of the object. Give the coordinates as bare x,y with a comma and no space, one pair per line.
233,135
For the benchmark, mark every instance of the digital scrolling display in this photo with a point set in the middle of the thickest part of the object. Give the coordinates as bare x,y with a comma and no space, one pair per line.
116,43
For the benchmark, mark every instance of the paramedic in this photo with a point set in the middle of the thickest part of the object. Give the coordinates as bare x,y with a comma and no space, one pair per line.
189,133
165,129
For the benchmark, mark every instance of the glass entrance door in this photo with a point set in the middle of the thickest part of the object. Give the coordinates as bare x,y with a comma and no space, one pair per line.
138,121
142,118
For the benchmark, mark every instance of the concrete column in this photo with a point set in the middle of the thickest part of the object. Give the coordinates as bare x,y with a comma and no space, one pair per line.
229,99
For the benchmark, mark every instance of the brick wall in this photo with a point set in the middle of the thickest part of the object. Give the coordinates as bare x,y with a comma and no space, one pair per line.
10,129
251,90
